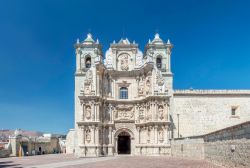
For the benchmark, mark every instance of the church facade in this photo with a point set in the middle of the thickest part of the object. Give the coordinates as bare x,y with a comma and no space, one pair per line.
126,104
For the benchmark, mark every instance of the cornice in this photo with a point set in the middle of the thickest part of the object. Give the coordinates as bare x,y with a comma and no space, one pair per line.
211,92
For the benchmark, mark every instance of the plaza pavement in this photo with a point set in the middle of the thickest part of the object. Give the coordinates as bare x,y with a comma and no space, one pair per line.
69,161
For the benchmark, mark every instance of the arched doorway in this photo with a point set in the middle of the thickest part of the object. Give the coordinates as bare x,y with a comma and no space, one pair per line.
124,143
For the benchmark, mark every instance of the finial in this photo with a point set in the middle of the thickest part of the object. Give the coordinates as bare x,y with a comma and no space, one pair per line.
77,41
97,41
157,35
134,42
89,35
114,42
168,42
149,41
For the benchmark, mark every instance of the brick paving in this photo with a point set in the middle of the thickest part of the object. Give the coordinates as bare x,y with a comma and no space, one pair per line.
69,161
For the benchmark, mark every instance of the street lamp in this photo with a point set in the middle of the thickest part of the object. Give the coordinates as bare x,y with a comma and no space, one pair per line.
178,125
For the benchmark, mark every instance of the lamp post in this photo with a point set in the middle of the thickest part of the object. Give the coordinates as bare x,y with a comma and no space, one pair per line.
178,125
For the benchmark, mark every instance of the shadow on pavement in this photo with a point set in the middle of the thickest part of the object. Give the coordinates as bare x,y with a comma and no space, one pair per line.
9,164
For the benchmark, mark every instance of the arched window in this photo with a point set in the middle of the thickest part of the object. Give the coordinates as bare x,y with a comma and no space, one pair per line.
88,62
158,62
123,93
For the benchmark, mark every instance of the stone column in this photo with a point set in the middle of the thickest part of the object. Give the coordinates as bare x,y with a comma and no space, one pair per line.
93,134
97,135
110,113
110,136
98,112
165,134
116,145
97,84
138,135
83,111
156,134
78,61
103,135
156,111
110,147
83,135
168,112
92,111
152,111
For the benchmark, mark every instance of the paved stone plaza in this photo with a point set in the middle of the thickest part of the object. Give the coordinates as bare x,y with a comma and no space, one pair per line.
69,161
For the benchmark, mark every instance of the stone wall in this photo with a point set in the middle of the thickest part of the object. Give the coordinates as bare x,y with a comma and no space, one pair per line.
229,147
192,147
204,111
221,152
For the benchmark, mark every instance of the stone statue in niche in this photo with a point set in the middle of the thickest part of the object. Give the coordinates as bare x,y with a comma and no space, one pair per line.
88,82
88,112
161,136
87,135
149,117
149,133
89,75
148,86
87,89
161,112
124,62
159,79
115,113
140,87
141,113
107,115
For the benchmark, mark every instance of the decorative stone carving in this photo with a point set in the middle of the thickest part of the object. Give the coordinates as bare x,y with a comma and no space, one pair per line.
161,112
141,113
139,59
124,62
87,112
159,79
141,87
109,61
88,135
148,86
149,134
124,113
88,83
149,117
161,135
107,113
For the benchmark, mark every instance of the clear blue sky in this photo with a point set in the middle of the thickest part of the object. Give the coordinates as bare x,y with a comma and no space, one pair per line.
211,49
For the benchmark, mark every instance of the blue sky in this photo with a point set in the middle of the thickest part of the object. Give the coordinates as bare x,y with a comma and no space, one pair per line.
211,49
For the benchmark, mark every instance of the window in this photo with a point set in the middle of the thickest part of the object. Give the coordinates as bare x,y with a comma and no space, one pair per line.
88,62
233,111
123,93
158,62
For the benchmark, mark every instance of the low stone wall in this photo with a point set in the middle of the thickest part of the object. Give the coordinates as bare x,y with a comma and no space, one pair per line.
229,153
230,146
4,153
192,147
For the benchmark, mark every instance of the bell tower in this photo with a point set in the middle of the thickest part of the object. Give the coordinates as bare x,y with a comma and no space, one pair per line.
87,95
87,53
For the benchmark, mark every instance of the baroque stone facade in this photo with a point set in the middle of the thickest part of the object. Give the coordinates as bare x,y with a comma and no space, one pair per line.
125,103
